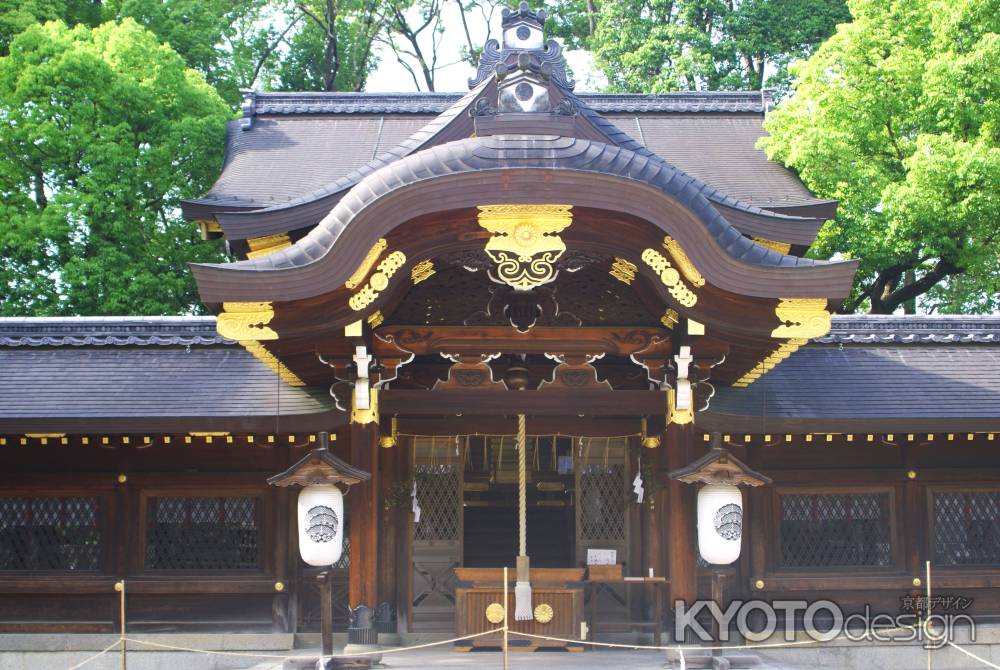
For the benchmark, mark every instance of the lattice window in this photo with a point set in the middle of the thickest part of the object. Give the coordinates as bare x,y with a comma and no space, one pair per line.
202,533
967,528
827,530
601,499
438,492
50,533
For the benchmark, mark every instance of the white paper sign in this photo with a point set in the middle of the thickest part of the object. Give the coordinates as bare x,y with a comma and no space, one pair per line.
602,557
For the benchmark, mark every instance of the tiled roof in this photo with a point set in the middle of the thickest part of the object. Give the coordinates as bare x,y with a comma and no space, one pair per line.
866,329
875,387
109,330
901,373
153,373
259,104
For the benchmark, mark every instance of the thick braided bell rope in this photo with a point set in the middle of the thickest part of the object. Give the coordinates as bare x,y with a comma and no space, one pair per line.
522,483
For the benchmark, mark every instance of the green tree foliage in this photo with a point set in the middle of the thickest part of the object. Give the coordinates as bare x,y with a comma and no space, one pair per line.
898,117
18,15
331,47
219,38
669,45
105,130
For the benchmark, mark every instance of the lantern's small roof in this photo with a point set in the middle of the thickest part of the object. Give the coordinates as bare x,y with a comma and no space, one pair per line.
719,466
320,466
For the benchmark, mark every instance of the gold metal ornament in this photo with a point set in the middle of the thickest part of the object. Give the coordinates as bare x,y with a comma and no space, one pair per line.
678,416
670,277
392,439
801,317
375,319
525,241
246,321
366,265
647,441
784,350
495,613
264,246
623,270
422,271
544,613
378,282
271,361
687,268
363,416
773,245
670,318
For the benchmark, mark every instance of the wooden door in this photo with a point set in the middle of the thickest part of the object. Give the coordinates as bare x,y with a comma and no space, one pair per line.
602,477
436,546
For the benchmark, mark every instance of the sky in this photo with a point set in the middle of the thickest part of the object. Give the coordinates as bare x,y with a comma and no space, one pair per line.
453,73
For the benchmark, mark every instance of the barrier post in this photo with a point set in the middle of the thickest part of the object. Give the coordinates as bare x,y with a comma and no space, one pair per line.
505,618
120,587
928,627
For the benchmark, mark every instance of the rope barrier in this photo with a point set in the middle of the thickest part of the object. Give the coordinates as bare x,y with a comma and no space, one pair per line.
609,645
98,654
681,649
971,655
393,650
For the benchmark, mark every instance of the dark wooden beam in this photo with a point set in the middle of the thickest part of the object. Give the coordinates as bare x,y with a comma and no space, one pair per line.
475,340
536,403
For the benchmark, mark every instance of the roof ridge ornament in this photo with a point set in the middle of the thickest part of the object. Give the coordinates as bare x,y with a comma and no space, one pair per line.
522,35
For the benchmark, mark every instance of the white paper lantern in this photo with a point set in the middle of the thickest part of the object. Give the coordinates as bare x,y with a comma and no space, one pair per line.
321,524
720,523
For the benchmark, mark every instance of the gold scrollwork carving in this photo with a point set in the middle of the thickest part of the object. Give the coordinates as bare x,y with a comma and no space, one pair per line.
422,271
495,613
525,243
366,265
773,245
801,317
263,246
246,321
623,270
670,277
544,613
378,282
784,350
687,268
271,361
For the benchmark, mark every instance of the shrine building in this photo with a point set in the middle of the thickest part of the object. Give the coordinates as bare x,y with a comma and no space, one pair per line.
541,321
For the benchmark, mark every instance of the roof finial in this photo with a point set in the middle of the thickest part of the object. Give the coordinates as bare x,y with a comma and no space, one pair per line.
522,34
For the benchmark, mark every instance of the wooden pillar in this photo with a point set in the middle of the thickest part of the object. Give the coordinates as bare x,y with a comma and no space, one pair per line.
914,516
363,506
681,539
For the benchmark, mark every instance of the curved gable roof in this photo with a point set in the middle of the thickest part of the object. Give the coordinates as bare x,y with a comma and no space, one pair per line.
295,272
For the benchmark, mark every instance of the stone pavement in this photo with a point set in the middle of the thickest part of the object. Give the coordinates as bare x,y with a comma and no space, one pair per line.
547,660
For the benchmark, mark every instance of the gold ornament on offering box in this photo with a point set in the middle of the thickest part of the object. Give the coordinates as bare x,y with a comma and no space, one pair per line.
544,613
525,244
495,613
